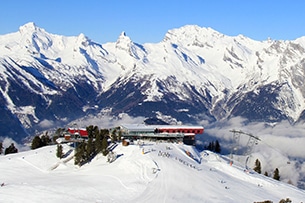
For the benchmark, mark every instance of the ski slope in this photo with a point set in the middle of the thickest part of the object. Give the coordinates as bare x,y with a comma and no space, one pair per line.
165,172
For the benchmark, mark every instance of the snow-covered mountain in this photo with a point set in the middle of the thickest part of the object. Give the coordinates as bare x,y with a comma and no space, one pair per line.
193,74
164,173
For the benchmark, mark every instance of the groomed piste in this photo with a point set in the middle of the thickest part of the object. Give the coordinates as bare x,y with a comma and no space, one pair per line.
142,172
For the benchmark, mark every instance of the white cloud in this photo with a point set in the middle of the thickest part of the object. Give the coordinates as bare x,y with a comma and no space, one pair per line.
46,124
108,121
281,145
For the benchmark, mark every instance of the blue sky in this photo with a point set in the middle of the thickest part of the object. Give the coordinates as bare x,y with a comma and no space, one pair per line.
148,21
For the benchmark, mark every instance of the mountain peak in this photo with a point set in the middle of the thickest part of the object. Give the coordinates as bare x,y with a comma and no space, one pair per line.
123,34
123,42
82,40
123,37
82,37
28,27
190,33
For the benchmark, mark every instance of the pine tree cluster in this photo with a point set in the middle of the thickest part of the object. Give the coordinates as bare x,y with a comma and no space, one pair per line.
258,169
1,148
97,142
287,200
276,174
214,146
59,152
42,141
11,149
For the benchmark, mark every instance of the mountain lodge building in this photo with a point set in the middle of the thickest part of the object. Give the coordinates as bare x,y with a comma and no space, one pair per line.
183,133
162,132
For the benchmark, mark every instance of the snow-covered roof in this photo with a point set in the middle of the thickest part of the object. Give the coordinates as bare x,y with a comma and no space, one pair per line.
151,128
138,127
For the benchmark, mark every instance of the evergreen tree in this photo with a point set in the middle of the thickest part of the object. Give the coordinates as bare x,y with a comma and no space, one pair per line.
276,174
98,143
96,131
54,138
114,136
60,131
257,166
11,149
104,133
266,173
45,140
105,146
210,146
93,131
120,136
80,156
90,149
287,200
90,131
214,146
59,152
85,153
1,148
77,155
217,147
36,142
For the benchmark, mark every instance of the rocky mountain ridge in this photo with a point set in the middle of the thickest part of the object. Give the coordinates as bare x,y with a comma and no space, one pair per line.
193,74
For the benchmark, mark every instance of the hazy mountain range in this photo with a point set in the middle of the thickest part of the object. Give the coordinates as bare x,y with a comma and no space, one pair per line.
193,74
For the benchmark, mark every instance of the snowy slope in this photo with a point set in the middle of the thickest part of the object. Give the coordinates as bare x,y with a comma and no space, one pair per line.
37,175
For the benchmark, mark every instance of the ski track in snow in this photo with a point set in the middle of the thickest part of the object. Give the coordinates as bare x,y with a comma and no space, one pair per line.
163,173
120,181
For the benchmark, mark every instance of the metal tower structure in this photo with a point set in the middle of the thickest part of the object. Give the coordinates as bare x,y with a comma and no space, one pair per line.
253,140
234,150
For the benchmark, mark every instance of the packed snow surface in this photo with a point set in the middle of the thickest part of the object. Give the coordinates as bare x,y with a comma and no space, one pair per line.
149,172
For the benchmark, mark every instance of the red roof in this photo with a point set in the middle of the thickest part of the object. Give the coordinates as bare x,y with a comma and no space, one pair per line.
81,131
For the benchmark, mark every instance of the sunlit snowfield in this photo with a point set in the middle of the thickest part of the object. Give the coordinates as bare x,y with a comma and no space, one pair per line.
163,173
